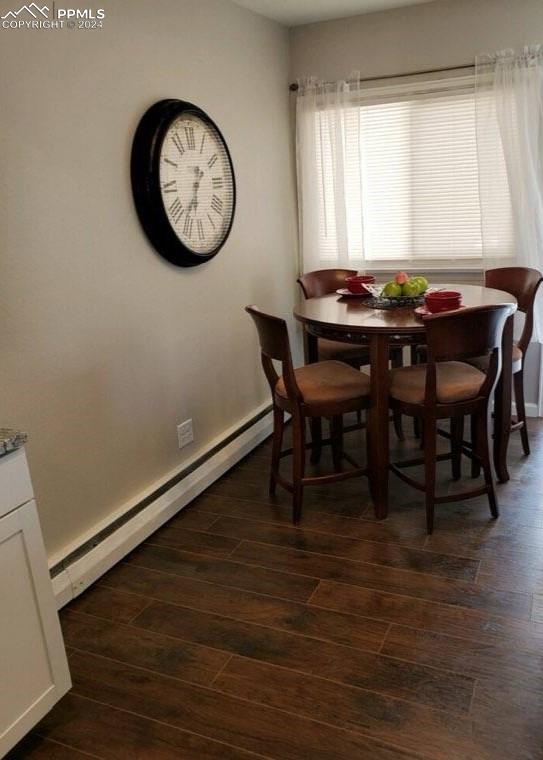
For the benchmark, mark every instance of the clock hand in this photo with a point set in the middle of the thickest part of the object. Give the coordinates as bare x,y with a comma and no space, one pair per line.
194,199
198,173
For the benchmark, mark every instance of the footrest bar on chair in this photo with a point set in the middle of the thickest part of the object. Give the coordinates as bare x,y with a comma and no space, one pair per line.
420,460
334,477
351,461
462,495
410,481
447,435
468,452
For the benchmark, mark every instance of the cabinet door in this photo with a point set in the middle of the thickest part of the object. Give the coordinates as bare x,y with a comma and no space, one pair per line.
33,667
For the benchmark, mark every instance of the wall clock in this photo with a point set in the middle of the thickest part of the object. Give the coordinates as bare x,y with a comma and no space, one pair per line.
183,182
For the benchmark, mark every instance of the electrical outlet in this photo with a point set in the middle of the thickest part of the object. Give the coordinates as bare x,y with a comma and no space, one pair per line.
185,433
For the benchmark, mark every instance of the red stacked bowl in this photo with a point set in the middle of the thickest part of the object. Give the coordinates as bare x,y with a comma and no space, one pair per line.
356,283
443,300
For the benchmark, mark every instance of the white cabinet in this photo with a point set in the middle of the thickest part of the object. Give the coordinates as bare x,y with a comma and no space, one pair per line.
33,667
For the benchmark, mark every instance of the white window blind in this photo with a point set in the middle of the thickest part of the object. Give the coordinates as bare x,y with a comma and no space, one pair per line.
396,178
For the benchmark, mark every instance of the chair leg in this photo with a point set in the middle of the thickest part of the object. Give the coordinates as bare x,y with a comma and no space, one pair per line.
518,380
457,435
336,437
475,464
277,442
398,428
484,455
430,444
315,423
416,420
298,466
396,358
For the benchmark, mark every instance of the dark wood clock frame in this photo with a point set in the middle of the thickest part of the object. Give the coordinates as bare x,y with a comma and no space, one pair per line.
145,177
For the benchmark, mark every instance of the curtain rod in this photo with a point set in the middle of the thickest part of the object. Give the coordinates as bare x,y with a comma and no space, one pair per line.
294,86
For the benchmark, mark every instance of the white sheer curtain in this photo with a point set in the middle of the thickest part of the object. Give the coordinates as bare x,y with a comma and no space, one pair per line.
509,101
324,117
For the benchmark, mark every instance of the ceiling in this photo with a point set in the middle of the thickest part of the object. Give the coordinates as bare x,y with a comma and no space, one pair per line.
294,12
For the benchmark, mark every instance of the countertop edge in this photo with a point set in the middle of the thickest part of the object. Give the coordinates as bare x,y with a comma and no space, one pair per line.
11,440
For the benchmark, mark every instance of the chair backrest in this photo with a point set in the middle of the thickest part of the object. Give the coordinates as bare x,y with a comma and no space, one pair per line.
323,281
275,345
523,283
464,334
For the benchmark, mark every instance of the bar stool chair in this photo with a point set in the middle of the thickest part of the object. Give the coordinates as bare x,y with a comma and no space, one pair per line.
322,282
447,387
324,389
523,283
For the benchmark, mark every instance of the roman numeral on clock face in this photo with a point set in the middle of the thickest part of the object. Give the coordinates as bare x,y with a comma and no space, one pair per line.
217,182
212,160
189,135
170,187
216,204
187,227
178,144
200,229
176,210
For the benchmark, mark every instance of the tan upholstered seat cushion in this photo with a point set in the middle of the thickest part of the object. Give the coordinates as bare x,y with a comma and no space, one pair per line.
456,381
334,349
481,362
328,383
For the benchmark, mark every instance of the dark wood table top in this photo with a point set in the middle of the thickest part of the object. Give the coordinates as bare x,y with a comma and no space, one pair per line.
352,315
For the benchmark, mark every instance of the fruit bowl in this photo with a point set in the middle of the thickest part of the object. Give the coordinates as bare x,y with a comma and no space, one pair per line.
405,290
404,300
380,301
392,301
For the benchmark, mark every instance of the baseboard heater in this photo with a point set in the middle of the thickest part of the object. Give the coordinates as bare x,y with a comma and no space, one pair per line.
97,554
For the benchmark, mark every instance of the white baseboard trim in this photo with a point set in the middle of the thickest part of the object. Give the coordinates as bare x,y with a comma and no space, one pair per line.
73,579
532,409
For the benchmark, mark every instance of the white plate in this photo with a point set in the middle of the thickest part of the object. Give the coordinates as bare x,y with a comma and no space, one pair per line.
347,293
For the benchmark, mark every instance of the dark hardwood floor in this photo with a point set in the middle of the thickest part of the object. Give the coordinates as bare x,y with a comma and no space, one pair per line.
231,634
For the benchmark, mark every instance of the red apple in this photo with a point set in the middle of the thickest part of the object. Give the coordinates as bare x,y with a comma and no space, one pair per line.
401,277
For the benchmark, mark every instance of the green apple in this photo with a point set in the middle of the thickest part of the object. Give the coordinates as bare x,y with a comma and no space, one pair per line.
392,290
410,289
422,283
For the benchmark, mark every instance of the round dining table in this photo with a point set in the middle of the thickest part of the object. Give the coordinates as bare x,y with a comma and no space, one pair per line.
352,320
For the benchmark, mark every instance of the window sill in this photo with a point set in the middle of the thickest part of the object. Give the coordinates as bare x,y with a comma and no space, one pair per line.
465,275
429,269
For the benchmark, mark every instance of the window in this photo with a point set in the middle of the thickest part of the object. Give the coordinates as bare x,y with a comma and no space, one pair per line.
397,176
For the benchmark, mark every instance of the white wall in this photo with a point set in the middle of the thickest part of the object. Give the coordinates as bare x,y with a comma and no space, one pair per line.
432,35
105,347
428,36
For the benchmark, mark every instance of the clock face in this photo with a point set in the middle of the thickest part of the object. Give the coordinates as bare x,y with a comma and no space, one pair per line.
196,183
183,182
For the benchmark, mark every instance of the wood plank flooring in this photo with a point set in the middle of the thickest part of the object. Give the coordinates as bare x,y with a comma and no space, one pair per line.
231,634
